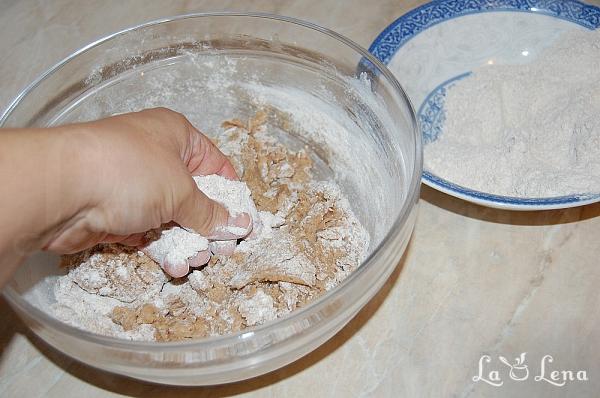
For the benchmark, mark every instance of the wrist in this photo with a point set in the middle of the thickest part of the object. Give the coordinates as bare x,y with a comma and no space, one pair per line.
64,168
40,172
78,155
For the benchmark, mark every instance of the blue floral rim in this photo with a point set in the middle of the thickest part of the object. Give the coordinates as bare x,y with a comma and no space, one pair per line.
557,201
412,23
431,115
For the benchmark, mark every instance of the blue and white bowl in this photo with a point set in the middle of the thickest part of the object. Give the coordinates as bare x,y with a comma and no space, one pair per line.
433,46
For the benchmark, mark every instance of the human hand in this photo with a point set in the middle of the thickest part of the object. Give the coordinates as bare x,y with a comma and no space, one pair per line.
136,175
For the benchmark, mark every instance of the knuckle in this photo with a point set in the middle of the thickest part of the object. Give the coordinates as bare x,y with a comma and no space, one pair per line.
160,111
172,116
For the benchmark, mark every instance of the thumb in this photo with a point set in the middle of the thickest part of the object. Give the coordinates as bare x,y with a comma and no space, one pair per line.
210,219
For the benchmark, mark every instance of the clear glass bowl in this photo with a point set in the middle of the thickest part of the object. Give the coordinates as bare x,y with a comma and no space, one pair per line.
214,67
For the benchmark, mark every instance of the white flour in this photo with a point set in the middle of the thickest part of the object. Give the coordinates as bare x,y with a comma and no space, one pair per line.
526,130
234,195
176,245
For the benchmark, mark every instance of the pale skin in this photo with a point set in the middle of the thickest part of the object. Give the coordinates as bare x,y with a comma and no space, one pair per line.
68,188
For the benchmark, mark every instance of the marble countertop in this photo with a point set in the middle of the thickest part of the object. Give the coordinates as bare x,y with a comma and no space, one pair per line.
474,280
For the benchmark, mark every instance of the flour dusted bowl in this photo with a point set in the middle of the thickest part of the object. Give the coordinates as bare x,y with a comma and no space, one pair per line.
210,68
440,43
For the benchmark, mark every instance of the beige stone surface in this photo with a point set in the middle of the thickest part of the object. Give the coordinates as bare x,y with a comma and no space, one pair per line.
473,281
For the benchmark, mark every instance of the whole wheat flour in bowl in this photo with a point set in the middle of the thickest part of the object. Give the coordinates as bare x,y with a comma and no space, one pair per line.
308,240
526,131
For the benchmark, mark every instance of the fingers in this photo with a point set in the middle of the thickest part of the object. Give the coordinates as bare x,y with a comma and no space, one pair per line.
181,269
200,259
237,227
176,270
208,159
228,171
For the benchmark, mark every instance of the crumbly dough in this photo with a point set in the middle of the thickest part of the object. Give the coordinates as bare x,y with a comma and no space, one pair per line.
314,241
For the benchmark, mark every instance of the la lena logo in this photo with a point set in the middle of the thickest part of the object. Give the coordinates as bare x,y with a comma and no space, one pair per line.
519,371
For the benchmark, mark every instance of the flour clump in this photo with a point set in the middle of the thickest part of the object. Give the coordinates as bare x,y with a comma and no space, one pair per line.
176,245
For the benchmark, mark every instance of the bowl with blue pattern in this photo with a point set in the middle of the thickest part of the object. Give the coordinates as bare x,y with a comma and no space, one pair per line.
434,46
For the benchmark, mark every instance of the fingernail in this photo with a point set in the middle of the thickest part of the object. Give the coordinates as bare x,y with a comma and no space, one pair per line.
237,227
176,270
200,259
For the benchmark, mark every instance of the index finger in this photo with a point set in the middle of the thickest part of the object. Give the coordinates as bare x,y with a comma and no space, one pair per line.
207,159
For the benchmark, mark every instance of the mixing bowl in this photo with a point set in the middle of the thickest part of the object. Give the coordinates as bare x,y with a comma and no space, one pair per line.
321,91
